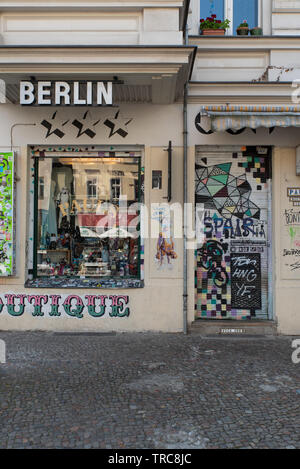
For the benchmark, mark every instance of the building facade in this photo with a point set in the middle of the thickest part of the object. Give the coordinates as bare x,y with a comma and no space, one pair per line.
120,125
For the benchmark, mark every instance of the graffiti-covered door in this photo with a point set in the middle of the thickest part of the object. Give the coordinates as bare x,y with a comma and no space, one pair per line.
233,212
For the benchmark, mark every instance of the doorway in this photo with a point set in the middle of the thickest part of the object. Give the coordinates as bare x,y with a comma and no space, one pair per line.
233,222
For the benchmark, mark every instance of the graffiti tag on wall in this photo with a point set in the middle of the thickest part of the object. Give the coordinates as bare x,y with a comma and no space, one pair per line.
74,306
291,239
232,257
6,214
246,281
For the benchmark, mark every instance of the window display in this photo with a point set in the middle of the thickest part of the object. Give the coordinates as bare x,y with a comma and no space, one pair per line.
87,217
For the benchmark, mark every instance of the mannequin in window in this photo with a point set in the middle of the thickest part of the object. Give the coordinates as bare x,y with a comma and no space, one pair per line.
63,202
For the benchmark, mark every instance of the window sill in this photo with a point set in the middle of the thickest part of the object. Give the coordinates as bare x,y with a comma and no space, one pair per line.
231,36
84,283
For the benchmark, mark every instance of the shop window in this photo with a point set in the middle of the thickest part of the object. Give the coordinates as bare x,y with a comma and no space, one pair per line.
85,227
235,10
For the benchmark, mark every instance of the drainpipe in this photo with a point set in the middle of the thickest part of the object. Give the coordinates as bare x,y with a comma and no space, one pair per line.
185,199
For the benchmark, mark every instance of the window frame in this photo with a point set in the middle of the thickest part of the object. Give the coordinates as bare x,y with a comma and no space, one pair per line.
91,184
114,185
228,13
36,199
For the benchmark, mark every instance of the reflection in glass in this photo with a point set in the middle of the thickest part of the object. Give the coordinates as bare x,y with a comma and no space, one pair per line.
88,216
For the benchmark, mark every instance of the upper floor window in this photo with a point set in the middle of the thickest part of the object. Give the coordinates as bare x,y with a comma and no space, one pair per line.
235,10
91,186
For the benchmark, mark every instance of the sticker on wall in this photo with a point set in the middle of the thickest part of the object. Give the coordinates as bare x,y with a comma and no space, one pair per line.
7,214
87,124
165,246
294,196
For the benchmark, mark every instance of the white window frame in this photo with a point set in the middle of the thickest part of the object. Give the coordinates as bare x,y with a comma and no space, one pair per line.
228,14
93,184
115,185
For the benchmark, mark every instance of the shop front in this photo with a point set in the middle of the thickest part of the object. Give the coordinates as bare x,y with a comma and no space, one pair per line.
245,265
86,151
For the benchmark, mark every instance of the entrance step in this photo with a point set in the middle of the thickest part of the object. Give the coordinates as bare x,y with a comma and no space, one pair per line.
233,328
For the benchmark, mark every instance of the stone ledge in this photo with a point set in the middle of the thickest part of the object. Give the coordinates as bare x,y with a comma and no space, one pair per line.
241,328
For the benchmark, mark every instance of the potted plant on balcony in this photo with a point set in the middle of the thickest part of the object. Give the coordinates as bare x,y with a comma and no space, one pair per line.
257,31
243,29
213,27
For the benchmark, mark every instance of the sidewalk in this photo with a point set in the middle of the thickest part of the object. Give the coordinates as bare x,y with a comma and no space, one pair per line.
148,391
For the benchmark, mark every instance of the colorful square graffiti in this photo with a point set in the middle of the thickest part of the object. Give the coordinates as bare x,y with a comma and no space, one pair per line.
232,261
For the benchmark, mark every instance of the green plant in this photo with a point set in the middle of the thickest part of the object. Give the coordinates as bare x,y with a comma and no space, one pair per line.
212,23
244,24
257,31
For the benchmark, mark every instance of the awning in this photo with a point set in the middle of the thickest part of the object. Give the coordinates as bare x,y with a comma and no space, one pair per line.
154,74
226,117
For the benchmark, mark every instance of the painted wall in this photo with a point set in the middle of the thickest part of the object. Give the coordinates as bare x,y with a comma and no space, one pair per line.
287,260
148,308
232,197
157,306
285,141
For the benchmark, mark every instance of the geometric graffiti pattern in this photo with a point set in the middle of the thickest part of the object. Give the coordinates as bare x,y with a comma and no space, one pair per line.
229,195
228,191
259,167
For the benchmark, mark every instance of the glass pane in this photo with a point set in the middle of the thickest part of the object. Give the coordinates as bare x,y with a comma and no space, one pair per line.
245,11
210,7
88,217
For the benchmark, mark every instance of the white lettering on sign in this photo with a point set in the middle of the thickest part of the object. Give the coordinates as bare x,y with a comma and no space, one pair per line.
26,92
59,93
62,90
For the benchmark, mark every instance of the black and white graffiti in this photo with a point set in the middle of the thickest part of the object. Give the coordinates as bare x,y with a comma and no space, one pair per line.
246,281
211,258
52,125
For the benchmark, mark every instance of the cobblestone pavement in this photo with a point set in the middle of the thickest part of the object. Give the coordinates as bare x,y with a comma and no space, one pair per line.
148,391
